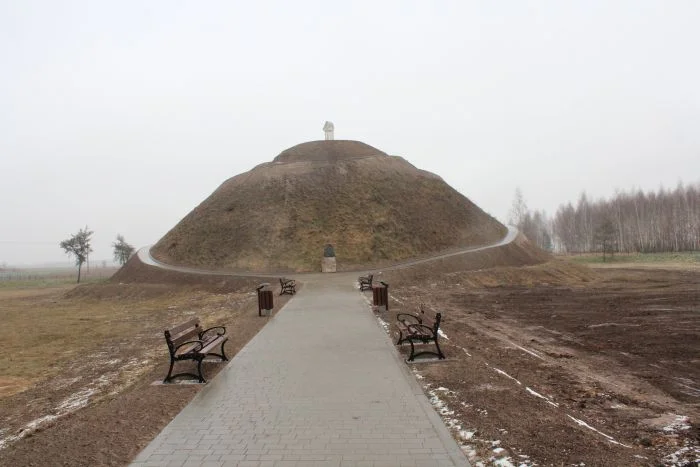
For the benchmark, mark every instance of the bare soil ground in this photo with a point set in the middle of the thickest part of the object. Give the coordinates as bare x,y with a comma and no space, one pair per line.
76,389
558,364
550,364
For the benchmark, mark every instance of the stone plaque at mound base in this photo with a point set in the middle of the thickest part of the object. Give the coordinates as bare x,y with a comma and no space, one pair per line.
328,264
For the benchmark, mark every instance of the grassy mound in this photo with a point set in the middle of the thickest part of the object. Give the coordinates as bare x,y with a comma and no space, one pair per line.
373,208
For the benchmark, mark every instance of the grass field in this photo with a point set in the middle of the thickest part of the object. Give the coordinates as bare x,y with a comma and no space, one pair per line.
33,278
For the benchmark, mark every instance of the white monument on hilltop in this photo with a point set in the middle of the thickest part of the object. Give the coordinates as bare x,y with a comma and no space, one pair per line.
328,130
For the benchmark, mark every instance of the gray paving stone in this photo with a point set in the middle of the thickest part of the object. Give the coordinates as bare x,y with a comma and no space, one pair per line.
321,384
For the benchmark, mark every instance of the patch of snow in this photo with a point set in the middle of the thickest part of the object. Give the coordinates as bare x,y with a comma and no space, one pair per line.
586,425
601,325
26,430
502,462
501,372
443,335
531,352
689,386
681,423
76,400
465,351
4,442
383,324
34,424
63,383
467,437
469,450
395,299
684,456
536,394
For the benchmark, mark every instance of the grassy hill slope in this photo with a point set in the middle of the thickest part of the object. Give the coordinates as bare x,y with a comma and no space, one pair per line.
373,208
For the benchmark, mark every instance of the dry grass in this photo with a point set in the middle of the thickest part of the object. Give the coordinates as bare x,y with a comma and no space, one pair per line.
374,209
83,355
49,329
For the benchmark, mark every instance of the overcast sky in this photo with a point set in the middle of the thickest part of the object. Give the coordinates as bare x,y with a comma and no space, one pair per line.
124,116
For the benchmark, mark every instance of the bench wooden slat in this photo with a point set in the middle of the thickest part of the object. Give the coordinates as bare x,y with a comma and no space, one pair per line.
186,349
211,344
188,324
189,335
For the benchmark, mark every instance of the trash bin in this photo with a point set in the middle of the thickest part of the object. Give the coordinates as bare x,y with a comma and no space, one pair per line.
264,299
380,296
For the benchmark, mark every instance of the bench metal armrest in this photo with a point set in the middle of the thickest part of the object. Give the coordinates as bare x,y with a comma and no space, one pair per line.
403,317
220,331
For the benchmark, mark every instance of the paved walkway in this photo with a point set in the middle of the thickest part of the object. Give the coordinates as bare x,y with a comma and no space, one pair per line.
320,385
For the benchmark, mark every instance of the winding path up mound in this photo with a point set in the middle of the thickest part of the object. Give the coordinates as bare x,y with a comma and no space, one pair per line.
373,208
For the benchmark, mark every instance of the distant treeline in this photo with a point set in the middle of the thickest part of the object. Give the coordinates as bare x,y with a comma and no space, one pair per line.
629,222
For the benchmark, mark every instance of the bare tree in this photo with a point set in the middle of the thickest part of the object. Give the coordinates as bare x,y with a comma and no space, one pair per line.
78,245
666,220
518,210
605,236
122,250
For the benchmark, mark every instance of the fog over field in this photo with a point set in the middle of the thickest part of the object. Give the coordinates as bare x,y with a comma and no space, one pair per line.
125,116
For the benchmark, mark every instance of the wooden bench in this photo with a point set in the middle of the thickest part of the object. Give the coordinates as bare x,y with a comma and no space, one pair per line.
288,286
419,328
365,282
189,341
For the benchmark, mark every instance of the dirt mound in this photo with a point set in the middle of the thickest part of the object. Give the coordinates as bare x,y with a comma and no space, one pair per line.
373,208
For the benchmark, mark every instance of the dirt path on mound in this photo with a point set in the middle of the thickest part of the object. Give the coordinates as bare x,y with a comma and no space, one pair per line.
602,371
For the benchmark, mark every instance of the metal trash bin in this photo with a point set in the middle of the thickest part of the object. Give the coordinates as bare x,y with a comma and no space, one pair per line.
265,302
380,296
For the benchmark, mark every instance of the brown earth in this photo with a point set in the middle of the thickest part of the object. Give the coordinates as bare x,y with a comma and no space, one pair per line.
617,349
373,208
77,389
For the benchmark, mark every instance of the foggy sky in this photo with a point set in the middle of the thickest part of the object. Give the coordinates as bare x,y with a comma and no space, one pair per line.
124,116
